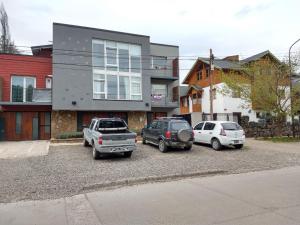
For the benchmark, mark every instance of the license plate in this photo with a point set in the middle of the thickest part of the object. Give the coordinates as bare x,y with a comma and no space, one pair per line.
236,142
117,149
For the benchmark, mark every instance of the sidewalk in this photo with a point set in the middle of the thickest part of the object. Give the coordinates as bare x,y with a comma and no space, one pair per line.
267,197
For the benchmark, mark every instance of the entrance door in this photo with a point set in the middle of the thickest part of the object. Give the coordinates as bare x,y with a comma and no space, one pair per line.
2,129
237,117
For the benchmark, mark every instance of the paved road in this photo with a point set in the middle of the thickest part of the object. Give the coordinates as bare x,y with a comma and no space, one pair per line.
266,197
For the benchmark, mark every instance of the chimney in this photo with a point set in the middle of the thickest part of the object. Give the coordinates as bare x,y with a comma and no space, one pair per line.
234,58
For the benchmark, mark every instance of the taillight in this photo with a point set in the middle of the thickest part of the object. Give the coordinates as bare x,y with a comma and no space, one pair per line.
100,140
222,132
193,134
168,134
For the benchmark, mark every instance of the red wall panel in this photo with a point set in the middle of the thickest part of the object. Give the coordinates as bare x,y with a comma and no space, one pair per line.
23,65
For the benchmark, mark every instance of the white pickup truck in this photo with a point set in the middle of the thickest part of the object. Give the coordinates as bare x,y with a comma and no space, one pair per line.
109,135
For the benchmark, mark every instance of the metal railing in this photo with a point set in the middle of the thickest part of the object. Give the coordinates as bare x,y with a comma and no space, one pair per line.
163,101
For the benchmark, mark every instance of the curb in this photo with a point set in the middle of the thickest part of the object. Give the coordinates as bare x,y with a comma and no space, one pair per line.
152,179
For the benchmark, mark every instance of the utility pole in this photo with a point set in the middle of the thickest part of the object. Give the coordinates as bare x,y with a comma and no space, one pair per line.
211,69
291,86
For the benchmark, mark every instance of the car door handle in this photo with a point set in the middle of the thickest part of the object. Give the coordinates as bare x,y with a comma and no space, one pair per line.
210,132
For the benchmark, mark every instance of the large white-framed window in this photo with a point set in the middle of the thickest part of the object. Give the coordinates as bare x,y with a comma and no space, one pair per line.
117,70
22,88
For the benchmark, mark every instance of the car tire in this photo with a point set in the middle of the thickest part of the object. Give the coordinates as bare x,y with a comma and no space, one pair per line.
144,141
127,154
239,146
85,143
162,146
96,154
216,145
188,148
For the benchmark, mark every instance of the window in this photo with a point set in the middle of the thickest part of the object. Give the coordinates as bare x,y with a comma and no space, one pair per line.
153,125
22,88
180,125
98,54
207,72
135,58
124,87
159,125
18,122
199,75
99,86
199,126
117,70
136,88
112,87
159,62
159,90
231,126
209,126
92,124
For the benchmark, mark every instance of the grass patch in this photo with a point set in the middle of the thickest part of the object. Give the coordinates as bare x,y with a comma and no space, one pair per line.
67,135
280,139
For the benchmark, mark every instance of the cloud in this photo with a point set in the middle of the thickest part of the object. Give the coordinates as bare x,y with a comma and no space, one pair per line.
248,10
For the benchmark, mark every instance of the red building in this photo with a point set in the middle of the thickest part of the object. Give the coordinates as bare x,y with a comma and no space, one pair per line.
25,95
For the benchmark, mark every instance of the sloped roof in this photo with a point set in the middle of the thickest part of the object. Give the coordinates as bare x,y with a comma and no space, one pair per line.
218,64
258,56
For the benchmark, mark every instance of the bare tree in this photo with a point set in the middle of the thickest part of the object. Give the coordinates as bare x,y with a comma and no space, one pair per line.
6,44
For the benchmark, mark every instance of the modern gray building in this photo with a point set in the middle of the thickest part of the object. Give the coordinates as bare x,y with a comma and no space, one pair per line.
106,73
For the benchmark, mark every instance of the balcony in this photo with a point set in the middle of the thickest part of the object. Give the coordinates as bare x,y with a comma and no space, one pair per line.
163,101
29,96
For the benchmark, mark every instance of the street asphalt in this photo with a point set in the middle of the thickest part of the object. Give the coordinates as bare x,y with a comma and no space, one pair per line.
257,198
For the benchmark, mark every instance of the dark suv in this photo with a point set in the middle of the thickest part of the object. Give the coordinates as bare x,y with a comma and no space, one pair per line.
169,132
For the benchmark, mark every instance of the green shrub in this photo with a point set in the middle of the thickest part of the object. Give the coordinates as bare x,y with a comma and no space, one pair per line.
66,135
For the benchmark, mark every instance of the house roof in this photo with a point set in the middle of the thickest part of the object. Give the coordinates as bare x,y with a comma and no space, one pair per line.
229,64
218,63
258,56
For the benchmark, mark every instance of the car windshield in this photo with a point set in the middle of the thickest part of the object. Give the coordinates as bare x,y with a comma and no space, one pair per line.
180,125
231,126
111,124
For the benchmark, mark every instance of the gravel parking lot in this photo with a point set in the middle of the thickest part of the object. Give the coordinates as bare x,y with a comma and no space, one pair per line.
69,170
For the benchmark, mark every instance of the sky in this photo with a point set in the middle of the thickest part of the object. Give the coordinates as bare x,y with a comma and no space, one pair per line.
228,27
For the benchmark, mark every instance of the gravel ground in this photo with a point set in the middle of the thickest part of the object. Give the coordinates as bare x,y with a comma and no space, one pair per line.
70,170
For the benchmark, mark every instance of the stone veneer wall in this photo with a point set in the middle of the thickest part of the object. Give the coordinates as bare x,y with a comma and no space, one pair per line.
136,121
63,121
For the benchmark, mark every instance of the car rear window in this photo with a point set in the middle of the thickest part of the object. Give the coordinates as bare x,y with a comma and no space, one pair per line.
180,125
231,126
111,124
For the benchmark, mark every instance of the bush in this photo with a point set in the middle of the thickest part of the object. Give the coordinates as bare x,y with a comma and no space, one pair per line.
73,134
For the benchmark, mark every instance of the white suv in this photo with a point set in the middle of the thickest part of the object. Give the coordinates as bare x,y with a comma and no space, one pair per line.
219,133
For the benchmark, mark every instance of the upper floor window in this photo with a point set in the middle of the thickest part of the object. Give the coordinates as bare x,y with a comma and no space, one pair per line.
199,75
117,71
22,88
159,62
116,56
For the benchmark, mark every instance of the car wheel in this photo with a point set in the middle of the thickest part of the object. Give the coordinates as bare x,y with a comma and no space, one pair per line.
127,154
239,146
85,143
216,145
162,146
96,154
144,141
188,148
